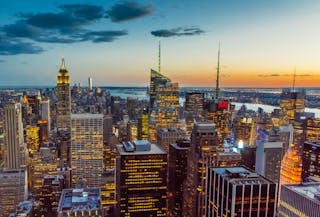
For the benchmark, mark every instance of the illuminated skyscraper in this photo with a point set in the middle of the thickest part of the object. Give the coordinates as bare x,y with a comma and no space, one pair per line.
32,139
244,130
143,125
202,154
292,102
13,189
64,98
193,108
63,113
141,179
291,167
16,150
311,159
87,148
236,191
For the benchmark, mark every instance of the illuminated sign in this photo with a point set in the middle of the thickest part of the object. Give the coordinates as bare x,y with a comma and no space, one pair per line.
223,104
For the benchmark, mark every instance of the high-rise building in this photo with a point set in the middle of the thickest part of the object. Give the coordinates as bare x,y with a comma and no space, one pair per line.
13,189
156,80
268,160
236,191
292,102
107,128
143,125
291,167
311,159
64,98
63,114
166,106
202,154
32,139
244,130
80,202
228,158
302,200
141,179
45,112
90,84
167,136
177,166
193,108
43,131
87,148
16,151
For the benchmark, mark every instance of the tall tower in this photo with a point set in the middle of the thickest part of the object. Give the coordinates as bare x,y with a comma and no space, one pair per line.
64,99
90,84
14,142
63,114
218,75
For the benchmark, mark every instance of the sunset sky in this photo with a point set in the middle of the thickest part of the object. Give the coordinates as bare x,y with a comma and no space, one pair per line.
116,42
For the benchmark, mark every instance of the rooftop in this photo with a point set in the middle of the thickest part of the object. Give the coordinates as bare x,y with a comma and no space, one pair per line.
314,143
204,126
128,148
309,190
86,116
240,175
80,199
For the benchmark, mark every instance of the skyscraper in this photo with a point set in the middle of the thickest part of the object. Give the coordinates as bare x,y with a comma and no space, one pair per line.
90,84
141,179
87,148
45,112
16,152
268,160
292,102
64,98
143,125
177,166
193,108
63,114
236,191
13,189
167,136
291,167
202,154
311,159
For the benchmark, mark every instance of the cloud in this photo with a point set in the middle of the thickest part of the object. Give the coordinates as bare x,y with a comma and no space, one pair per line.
181,31
14,47
103,36
3,61
269,75
128,11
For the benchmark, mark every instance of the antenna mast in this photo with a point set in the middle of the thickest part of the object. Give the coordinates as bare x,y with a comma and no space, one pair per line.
218,74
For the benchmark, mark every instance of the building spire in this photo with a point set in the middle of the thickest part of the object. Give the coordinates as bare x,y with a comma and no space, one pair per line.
218,75
63,66
159,57
294,80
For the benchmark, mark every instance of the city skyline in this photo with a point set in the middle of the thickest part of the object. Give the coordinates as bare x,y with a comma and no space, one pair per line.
261,42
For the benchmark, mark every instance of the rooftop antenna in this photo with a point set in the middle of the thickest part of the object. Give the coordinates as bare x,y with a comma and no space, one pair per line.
218,74
294,80
159,57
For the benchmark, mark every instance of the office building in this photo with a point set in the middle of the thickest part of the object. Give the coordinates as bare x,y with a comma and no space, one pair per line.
244,130
156,80
236,191
141,179
143,125
228,158
16,150
87,148
45,112
43,131
311,159
13,189
194,106
301,200
167,136
292,102
268,160
291,167
90,84
202,154
32,139
107,128
80,202
24,209
177,166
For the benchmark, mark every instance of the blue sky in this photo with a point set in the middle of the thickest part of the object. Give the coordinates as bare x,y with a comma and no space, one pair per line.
115,42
